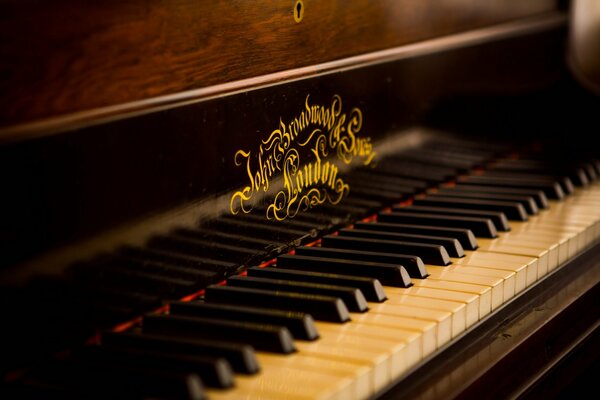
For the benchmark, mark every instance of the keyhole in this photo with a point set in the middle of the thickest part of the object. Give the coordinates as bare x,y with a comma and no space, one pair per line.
298,11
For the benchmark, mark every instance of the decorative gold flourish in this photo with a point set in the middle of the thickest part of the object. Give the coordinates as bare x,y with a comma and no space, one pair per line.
318,130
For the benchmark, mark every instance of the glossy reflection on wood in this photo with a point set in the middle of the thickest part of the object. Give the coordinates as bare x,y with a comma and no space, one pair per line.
71,56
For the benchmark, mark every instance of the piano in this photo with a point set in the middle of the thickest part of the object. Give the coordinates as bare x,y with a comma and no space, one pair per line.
297,200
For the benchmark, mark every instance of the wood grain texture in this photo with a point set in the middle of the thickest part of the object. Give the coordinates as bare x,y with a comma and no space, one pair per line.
66,56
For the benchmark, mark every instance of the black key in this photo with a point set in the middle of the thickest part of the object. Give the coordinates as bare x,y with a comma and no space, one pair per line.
273,338
413,264
387,274
498,218
482,227
384,196
221,268
390,181
512,209
565,182
452,246
458,165
552,189
374,179
200,248
528,202
311,216
538,195
241,356
274,232
144,282
214,371
202,277
323,308
92,293
579,176
287,223
397,190
352,297
590,171
596,164
488,148
452,151
301,325
105,381
470,159
429,253
365,204
576,173
268,246
371,288
411,170
464,236
325,222
347,211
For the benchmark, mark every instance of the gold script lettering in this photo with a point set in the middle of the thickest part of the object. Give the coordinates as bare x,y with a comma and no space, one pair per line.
321,130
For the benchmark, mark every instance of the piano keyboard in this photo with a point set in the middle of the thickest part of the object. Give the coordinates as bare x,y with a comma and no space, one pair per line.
360,358
417,256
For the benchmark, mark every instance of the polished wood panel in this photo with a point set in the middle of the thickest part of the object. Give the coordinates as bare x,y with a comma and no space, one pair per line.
66,56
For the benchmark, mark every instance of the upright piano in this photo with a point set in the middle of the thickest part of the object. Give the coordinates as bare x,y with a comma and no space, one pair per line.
297,199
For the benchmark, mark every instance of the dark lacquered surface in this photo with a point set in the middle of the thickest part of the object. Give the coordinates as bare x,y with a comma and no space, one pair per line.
69,56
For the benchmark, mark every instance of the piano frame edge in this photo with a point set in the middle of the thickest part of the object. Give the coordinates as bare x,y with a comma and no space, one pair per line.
535,346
